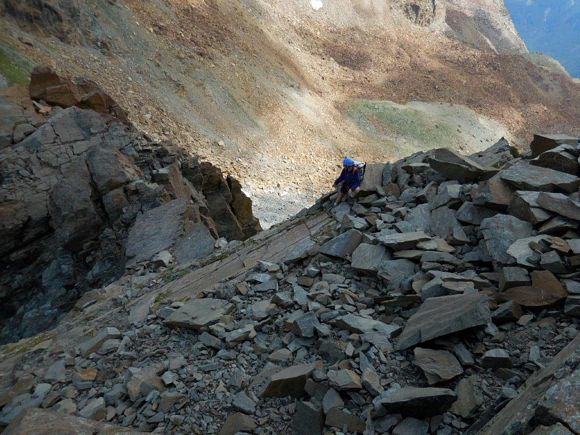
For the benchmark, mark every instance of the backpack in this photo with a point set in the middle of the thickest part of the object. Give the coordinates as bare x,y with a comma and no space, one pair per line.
361,166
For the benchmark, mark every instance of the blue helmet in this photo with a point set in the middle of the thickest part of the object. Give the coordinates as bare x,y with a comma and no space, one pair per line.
348,162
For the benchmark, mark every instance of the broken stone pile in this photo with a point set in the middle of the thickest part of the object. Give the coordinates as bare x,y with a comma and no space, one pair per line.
84,196
444,301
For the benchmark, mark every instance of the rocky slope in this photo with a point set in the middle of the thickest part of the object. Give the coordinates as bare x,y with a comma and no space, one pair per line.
275,92
84,196
445,300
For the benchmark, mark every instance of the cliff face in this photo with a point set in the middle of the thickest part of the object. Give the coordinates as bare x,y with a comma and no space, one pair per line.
85,196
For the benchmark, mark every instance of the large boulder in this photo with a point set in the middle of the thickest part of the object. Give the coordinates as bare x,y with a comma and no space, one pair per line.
444,315
416,402
524,176
454,166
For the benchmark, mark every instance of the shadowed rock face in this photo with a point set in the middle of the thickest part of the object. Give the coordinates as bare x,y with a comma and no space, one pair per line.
84,195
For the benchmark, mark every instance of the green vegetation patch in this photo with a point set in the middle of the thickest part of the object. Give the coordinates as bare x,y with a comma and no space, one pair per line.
405,126
15,68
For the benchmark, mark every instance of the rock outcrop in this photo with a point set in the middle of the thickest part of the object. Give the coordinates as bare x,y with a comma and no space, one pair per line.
84,195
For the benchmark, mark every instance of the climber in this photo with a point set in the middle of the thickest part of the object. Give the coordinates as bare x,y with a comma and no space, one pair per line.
348,183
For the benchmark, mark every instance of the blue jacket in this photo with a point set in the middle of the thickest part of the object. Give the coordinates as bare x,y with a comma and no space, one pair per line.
350,178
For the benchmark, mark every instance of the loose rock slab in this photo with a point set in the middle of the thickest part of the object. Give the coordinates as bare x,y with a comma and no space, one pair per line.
544,291
197,313
342,246
524,176
438,365
445,315
416,402
288,382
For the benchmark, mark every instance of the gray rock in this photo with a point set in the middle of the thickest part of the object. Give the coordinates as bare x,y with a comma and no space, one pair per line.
500,232
197,313
196,244
560,204
445,225
468,399
94,409
524,205
243,403
524,176
437,365
411,426
371,382
156,230
56,372
142,381
237,423
555,429
472,214
397,273
331,400
572,306
362,325
368,257
551,261
344,380
495,359
341,418
93,344
562,158
305,325
288,382
403,241
444,315
513,277
343,245
416,402
308,419
454,166
560,403
544,142
521,251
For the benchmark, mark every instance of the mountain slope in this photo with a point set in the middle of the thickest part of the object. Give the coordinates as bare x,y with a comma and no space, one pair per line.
269,90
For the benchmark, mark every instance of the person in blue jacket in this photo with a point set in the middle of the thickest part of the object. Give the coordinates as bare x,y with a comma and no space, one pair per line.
349,181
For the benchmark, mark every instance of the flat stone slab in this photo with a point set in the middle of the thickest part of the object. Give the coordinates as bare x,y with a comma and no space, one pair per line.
440,316
545,290
155,230
197,313
403,241
342,246
524,176
560,204
438,365
362,325
416,402
454,166
288,382
368,257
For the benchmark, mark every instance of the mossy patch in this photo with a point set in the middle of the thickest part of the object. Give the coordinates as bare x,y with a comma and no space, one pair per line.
14,68
384,120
